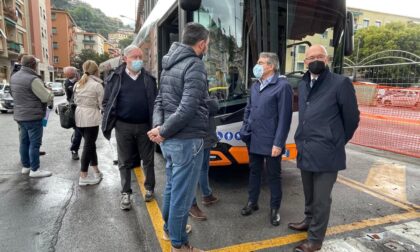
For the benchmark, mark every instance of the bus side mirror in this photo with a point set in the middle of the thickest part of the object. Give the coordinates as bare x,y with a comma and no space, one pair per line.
190,5
349,35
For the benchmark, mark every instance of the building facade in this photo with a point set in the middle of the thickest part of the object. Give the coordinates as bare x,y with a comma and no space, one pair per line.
89,40
111,50
365,18
121,34
41,37
362,19
64,40
14,34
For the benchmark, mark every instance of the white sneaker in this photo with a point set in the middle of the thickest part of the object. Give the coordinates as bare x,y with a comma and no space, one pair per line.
89,181
25,170
98,175
165,236
125,203
39,174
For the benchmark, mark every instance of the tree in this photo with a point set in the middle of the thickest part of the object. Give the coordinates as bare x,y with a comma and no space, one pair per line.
392,36
90,19
125,42
88,54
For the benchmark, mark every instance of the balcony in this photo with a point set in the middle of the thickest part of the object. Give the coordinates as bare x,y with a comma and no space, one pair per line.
89,41
13,46
10,13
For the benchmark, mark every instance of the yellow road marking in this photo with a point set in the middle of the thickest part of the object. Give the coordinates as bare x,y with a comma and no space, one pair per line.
288,239
157,221
388,178
392,200
154,212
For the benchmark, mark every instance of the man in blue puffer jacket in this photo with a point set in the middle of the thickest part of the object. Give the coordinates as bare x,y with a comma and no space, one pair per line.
181,121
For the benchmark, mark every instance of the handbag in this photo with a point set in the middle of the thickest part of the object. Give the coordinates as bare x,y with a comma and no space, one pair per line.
67,115
67,111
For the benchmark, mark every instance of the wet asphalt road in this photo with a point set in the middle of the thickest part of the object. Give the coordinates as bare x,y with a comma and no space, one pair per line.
55,214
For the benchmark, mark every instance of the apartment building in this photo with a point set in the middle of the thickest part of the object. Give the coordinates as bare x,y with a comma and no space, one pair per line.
121,34
89,40
365,18
41,37
111,50
14,34
362,18
64,40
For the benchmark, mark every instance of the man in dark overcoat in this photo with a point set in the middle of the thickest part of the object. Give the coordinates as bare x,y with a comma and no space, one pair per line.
266,125
328,118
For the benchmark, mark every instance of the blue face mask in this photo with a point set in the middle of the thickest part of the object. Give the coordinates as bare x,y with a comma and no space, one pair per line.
136,65
258,71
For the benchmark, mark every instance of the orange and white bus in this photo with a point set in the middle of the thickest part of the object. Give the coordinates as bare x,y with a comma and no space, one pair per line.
239,31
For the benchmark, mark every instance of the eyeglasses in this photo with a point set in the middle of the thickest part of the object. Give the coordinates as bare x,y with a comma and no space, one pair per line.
317,57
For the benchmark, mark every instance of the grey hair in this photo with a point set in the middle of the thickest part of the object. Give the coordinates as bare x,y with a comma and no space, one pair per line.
129,49
29,61
70,69
273,59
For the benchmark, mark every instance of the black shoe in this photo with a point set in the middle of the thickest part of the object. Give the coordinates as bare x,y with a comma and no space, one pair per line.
300,226
275,217
249,209
74,155
42,153
115,162
149,196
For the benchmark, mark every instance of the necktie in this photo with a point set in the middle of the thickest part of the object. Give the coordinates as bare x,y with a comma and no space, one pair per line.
312,82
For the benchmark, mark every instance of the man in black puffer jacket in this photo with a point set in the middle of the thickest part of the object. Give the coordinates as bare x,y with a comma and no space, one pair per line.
180,119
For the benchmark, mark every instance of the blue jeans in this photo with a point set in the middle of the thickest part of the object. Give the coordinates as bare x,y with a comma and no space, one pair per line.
204,175
183,163
30,138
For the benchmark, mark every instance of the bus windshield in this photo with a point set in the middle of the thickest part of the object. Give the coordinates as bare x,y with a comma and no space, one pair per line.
241,29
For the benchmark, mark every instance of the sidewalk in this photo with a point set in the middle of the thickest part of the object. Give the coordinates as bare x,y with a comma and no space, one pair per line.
55,213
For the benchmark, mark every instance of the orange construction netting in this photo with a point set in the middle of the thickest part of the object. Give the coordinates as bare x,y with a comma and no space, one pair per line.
389,118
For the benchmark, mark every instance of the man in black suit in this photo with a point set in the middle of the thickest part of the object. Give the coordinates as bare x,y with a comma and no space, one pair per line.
72,77
328,118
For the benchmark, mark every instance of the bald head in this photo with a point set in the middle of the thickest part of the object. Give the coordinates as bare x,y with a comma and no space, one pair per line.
70,72
318,56
316,50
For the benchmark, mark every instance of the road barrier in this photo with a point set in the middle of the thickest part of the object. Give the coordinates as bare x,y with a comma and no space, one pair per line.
389,118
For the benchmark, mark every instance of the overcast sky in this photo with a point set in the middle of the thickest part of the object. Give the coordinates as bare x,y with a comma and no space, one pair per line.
127,8
409,8
115,8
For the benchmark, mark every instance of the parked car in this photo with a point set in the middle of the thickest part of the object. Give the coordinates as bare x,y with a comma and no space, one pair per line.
403,98
6,99
56,87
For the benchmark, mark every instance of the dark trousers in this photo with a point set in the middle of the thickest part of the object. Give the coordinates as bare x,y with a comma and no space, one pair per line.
76,138
89,156
133,146
273,164
317,187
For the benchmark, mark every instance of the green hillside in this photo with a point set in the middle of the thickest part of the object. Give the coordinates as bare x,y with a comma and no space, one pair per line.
89,18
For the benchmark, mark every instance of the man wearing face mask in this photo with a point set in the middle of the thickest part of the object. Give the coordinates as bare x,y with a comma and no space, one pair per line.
266,124
181,122
328,118
130,93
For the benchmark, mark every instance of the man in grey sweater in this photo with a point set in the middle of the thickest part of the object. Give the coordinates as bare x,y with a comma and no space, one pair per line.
31,100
